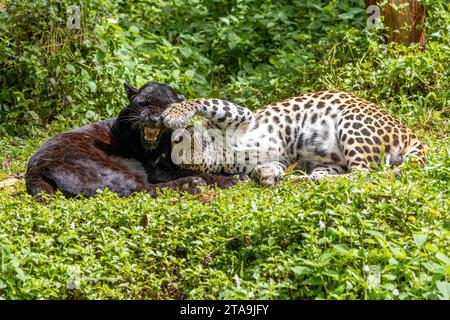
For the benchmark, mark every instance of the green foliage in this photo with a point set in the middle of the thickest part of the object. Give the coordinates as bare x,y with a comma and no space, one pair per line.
250,51
376,238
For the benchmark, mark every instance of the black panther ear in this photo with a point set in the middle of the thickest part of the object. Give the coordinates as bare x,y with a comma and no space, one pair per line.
131,92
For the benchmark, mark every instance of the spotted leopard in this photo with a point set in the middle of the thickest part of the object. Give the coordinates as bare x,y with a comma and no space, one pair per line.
327,133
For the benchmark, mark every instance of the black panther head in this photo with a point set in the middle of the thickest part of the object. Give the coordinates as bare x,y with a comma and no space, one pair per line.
140,123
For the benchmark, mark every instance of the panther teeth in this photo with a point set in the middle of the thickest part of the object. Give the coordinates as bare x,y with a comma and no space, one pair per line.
151,134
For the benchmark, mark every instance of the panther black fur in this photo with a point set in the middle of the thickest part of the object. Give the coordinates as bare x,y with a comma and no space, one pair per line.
127,154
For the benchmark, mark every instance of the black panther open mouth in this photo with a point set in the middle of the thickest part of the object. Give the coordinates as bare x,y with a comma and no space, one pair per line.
151,137
151,134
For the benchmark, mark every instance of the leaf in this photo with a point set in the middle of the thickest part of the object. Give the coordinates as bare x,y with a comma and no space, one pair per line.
92,86
313,282
70,68
444,289
110,109
420,239
434,268
90,114
316,24
176,73
390,277
341,247
190,73
442,257
134,30
185,51
291,168
21,274
325,258
233,40
346,15
332,274
301,270
5,250
33,114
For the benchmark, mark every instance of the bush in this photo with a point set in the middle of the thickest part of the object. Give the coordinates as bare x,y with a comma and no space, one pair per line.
249,52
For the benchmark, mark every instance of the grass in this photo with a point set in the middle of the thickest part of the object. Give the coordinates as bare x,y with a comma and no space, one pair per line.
373,237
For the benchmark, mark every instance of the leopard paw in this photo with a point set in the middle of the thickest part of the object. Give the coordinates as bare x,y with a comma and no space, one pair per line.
319,175
267,174
175,117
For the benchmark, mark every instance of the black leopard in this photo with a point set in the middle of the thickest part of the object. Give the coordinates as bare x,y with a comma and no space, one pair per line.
127,154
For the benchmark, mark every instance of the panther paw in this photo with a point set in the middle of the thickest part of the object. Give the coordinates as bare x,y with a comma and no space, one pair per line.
241,177
193,185
226,182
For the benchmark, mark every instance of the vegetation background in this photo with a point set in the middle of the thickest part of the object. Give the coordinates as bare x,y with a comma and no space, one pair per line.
378,237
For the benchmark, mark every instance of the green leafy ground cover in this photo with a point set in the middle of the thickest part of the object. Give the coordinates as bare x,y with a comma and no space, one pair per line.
373,237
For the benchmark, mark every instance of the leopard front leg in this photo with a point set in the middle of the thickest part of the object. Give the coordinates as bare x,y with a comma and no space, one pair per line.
268,174
220,113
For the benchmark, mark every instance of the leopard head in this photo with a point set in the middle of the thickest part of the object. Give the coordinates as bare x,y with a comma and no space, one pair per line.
140,123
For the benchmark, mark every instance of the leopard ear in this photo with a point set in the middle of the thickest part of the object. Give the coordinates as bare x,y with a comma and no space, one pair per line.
131,92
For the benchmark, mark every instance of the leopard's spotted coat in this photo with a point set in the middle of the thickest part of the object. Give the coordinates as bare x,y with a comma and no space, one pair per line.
327,132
